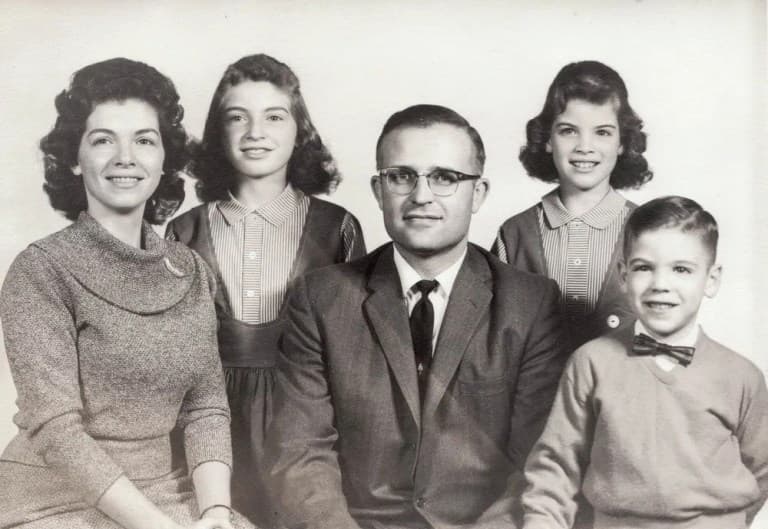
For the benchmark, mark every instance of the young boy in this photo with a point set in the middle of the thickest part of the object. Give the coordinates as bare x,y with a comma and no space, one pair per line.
656,424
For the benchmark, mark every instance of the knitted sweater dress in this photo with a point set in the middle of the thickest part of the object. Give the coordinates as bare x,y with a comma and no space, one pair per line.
110,347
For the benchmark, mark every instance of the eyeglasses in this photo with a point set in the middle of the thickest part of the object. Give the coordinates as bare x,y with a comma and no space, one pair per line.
442,182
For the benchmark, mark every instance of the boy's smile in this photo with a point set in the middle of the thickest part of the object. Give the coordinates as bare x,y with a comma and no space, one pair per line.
667,274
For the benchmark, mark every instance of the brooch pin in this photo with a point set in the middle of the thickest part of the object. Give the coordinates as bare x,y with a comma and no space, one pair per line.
172,269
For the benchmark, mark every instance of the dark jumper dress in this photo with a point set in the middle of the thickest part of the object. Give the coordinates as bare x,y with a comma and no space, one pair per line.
249,351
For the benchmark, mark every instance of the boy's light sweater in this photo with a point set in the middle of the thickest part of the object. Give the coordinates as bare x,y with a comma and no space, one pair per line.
663,449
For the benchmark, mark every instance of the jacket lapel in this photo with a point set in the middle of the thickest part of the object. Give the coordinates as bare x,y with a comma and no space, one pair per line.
467,304
388,316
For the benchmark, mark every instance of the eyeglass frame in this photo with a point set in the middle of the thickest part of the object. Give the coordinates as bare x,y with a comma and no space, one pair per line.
461,177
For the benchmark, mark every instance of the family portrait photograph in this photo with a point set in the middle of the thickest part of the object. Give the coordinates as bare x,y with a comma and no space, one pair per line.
384,264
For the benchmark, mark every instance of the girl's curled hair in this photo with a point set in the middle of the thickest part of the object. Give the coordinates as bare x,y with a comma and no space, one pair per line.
596,83
311,167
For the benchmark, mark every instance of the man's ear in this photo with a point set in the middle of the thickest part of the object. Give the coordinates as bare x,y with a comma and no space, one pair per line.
480,191
376,188
77,170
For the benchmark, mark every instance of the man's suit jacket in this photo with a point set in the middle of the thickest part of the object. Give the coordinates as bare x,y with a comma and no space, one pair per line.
351,445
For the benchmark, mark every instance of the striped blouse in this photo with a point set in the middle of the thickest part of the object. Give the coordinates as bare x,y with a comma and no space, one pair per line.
255,250
578,249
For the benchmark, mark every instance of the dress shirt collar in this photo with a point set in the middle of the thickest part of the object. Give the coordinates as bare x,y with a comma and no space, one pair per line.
275,212
689,340
599,217
409,276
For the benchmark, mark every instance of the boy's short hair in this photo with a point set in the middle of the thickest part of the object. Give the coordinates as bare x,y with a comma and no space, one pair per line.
672,212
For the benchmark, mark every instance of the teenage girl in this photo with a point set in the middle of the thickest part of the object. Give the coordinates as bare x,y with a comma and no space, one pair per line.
259,227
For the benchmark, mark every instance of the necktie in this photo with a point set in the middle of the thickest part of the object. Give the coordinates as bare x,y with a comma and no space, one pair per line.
422,327
645,345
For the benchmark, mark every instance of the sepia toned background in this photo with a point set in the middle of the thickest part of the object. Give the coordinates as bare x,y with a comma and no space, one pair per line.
696,73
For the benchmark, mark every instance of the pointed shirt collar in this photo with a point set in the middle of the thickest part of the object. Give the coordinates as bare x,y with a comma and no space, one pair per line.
408,276
599,217
275,212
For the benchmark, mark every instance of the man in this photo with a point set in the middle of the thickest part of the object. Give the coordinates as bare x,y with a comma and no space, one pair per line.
389,423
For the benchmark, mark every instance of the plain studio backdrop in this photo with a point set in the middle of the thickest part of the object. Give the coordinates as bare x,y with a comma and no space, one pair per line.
695,70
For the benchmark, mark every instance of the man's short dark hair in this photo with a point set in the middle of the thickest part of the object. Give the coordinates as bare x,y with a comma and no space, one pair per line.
423,116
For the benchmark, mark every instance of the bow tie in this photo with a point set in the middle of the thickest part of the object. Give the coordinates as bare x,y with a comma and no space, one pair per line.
645,345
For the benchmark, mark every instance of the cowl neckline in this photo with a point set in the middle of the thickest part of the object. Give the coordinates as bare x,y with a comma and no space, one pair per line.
141,280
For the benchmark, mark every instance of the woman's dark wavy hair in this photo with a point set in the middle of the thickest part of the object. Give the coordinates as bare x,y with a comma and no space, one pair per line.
115,79
311,167
596,83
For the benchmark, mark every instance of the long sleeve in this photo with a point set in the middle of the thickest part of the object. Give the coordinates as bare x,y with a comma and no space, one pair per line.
41,343
204,414
752,434
555,467
305,473
499,247
539,373
353,243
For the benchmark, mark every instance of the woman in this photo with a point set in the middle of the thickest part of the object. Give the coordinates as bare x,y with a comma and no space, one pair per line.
260,226
110,330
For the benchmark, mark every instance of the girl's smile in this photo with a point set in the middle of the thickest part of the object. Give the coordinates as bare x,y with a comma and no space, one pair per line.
259,129
585,144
